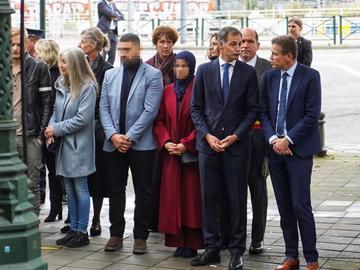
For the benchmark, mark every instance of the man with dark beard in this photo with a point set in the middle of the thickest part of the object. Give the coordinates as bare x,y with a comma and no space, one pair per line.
130,101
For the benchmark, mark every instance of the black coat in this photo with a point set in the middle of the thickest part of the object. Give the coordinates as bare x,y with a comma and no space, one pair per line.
304,51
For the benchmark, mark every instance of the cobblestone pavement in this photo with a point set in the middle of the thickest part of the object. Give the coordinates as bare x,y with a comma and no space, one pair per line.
336,203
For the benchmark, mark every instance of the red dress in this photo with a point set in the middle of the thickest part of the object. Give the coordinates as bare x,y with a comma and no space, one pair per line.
180,195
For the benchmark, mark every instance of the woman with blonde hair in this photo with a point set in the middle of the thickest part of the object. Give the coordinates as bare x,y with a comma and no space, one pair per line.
73,123
48,51
93,42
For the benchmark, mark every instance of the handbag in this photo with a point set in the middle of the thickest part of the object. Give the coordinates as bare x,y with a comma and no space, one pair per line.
54,146
188,157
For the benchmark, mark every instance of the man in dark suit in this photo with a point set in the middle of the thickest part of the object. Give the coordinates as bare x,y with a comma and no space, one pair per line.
223,107
258,170
109,15
291,110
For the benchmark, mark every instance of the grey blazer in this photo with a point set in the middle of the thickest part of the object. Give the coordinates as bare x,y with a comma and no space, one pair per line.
76,155
141,109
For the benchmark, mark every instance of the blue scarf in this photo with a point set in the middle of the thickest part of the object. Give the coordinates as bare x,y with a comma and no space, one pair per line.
180,86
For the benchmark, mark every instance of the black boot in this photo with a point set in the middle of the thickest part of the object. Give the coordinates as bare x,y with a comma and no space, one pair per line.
95,229
53,214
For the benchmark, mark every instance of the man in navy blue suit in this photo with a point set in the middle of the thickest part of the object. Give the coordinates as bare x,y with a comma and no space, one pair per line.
291,110
223,107
109,15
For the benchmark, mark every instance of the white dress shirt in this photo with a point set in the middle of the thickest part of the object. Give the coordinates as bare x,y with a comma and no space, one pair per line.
251,62
231,69
289,78
113,23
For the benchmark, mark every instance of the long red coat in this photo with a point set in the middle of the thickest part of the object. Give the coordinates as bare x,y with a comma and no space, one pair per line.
180,195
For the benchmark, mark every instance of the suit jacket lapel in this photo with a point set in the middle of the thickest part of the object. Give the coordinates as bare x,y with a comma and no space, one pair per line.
235,80
136,81
295,81
216,79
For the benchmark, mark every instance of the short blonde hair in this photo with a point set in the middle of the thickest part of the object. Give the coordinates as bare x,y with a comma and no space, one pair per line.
79,71
48,51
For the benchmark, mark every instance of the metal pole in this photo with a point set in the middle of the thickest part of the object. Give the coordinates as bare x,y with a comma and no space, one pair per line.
340,29
334,29
19,234
183,22
22,76
42,16
130,18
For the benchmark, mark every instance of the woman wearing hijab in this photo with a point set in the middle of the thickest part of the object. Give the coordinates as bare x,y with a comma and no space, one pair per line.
180,196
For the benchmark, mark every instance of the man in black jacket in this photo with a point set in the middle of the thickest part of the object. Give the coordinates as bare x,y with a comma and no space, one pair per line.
258,163
38,110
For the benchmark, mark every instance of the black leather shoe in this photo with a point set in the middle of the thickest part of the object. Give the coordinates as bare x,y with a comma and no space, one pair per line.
65,229
95,229
179,252
256,248
209,256
236,262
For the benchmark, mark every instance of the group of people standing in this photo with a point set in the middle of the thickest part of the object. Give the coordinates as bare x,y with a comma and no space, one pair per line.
193,142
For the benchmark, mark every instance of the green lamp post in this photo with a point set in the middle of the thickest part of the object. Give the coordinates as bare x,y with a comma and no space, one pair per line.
19,234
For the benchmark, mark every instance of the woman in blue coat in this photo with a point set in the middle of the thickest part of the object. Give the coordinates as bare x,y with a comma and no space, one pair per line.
73,123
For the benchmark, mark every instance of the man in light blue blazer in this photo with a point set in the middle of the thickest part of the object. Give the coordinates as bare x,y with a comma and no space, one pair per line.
130,99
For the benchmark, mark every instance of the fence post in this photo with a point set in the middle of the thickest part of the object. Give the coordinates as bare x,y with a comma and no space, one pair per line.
202,31
287,23
242,22
196,31
247,22
153,24
340,29
334,29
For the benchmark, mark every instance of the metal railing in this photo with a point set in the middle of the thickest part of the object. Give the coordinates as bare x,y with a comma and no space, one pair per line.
349,28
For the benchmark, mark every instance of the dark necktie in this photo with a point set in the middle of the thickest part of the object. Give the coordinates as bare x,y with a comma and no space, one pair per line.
226,82
282,107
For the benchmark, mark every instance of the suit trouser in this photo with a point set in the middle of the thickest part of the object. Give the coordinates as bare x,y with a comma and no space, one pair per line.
258,172
218,170
34,159
291,177
112,51
141,165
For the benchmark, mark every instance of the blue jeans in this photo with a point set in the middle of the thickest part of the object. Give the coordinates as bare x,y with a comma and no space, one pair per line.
78,202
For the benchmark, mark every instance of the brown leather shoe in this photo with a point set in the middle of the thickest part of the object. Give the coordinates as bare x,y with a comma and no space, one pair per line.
289,264
313,266
140,246
114,243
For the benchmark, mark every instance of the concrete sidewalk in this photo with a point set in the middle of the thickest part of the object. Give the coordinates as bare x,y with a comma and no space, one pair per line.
336,203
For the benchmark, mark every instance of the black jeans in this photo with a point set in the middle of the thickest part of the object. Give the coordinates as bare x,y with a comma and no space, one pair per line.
141,166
